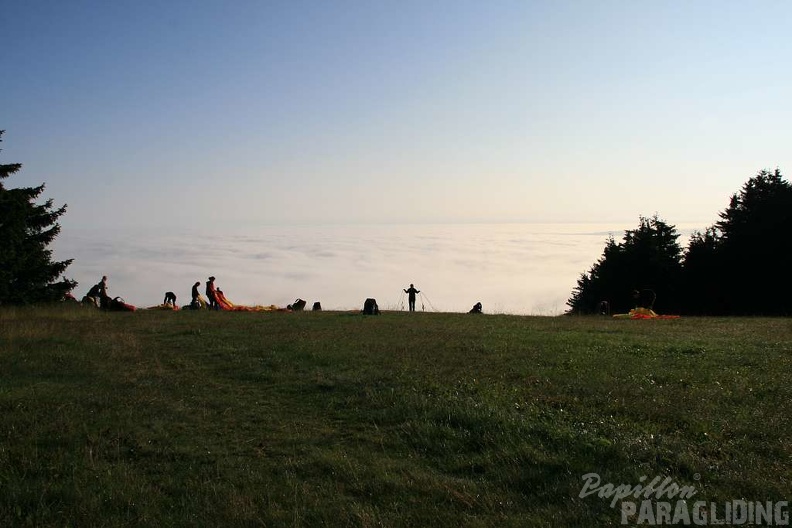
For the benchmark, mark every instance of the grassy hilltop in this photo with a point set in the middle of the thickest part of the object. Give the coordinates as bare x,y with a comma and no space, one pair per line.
338,419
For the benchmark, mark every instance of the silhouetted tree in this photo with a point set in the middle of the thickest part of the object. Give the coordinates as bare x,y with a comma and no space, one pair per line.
752,250
27,271
593,286
648,258
703,276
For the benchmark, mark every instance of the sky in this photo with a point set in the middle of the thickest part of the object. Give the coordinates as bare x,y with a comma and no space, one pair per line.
202,114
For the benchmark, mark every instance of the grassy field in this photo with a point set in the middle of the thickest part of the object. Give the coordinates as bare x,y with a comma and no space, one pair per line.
337,419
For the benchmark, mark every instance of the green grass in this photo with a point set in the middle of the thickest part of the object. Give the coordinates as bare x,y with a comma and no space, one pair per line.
337,419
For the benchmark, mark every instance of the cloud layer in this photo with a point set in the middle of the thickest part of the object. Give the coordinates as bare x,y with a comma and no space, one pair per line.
509,268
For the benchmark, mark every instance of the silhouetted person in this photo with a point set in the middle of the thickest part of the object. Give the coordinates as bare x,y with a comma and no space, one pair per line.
210,294
411,296
476,308
99,292
170,298
195,303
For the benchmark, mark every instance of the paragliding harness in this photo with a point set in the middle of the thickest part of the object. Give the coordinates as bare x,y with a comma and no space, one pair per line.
298,305
370,307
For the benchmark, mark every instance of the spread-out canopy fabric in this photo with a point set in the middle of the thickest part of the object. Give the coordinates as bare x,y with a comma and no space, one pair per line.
167,307
227,305
643,313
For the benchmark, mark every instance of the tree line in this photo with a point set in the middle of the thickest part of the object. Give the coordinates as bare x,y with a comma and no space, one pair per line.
737,266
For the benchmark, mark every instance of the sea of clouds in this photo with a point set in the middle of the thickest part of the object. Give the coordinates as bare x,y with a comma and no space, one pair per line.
509,268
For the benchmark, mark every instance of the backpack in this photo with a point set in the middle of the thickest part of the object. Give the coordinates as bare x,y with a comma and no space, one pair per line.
370,307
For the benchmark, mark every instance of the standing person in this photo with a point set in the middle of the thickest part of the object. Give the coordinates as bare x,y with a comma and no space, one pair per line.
411,296
196,296
210,293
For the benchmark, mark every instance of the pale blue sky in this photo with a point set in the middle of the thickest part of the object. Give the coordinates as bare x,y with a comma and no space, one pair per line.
198,113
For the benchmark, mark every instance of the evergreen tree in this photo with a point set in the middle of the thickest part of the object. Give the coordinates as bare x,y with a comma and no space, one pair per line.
703,274
753,248
27,272
593,286
648,259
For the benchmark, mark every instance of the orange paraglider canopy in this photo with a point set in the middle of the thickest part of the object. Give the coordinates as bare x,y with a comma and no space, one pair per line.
228,306
643,313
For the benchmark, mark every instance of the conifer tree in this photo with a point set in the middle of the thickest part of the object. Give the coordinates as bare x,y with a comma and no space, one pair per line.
753,249
647,259
703,275
27,272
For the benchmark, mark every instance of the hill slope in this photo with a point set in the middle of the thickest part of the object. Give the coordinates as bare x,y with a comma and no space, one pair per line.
240,419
